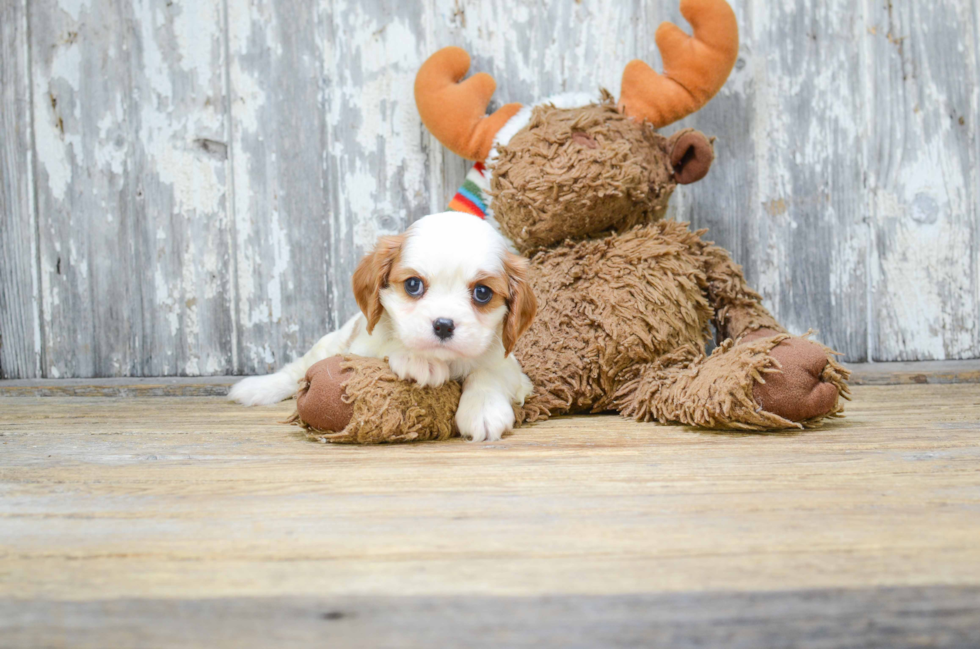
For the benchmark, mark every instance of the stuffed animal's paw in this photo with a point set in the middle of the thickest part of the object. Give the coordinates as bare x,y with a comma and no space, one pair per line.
320,402
484,416
424,371
799,391
357,400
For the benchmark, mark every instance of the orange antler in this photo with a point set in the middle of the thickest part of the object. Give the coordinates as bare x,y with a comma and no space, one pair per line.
456,112
695,68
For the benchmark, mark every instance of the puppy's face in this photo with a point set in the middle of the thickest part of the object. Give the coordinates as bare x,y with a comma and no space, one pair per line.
449,286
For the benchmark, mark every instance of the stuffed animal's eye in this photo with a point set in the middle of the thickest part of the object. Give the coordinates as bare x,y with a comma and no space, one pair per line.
414,287
482,294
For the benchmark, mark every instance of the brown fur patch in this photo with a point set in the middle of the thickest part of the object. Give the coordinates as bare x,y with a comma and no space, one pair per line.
372,275
401,273
522,305
498,284
579,172
608,304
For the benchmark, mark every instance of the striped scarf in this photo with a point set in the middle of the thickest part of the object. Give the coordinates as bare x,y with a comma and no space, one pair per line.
471,196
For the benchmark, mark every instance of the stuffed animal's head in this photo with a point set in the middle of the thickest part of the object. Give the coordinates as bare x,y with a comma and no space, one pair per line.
572,166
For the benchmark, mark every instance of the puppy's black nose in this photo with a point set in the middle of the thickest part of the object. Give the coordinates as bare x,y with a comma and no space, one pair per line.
443,327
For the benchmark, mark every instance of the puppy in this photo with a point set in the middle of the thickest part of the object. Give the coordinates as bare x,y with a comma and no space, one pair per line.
445,300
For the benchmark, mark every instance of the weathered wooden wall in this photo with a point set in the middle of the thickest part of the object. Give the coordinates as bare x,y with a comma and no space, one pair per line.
186,186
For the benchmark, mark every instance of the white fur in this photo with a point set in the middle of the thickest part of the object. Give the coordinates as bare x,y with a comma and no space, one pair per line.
449,250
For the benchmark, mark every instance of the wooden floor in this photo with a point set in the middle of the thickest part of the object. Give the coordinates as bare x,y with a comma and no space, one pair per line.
161,521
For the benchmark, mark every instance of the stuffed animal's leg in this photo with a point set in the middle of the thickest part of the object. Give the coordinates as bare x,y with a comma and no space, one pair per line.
722,390
809,383
358,400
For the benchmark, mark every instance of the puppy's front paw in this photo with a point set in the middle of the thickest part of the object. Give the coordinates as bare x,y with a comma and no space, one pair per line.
484,416
424,371
525,389
263,390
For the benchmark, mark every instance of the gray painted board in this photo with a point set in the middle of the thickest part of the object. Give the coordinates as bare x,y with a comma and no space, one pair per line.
208,173
131,128
20,330
923,180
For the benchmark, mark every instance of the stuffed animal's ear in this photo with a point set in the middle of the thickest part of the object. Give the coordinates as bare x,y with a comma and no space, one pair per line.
691,155
521,304
372,275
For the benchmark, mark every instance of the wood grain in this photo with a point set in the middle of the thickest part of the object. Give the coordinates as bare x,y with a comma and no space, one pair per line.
898,373
794,108
279,154
924,180
131,150
918,372
20,331
163,497
855,618
207,179
131,519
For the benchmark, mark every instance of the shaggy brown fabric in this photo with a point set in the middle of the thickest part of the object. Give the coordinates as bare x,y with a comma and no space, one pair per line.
715,391
385,409
738,309
573,173
623,322
607,304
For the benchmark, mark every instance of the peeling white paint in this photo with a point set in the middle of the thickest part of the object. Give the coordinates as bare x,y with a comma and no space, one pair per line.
55,146
194,27
74,8
822,87
280,265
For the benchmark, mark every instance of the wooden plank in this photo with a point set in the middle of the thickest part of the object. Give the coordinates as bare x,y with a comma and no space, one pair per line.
898,373
786,193
924,182
585,45
327,158
905,373
20,332
379,179
131,144
160,498
867,617
280,159
198,386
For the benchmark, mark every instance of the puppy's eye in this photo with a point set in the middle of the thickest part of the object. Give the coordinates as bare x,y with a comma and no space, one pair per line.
482,294
414,287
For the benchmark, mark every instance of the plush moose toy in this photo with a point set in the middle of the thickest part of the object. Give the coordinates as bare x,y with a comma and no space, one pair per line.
626,299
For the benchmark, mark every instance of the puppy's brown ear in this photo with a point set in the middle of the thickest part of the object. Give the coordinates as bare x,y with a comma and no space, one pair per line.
521,305
372,275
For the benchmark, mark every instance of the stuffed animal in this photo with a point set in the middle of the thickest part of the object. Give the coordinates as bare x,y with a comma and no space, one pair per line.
627,299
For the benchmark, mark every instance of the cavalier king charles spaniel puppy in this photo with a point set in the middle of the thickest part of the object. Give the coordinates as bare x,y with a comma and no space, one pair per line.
445,300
